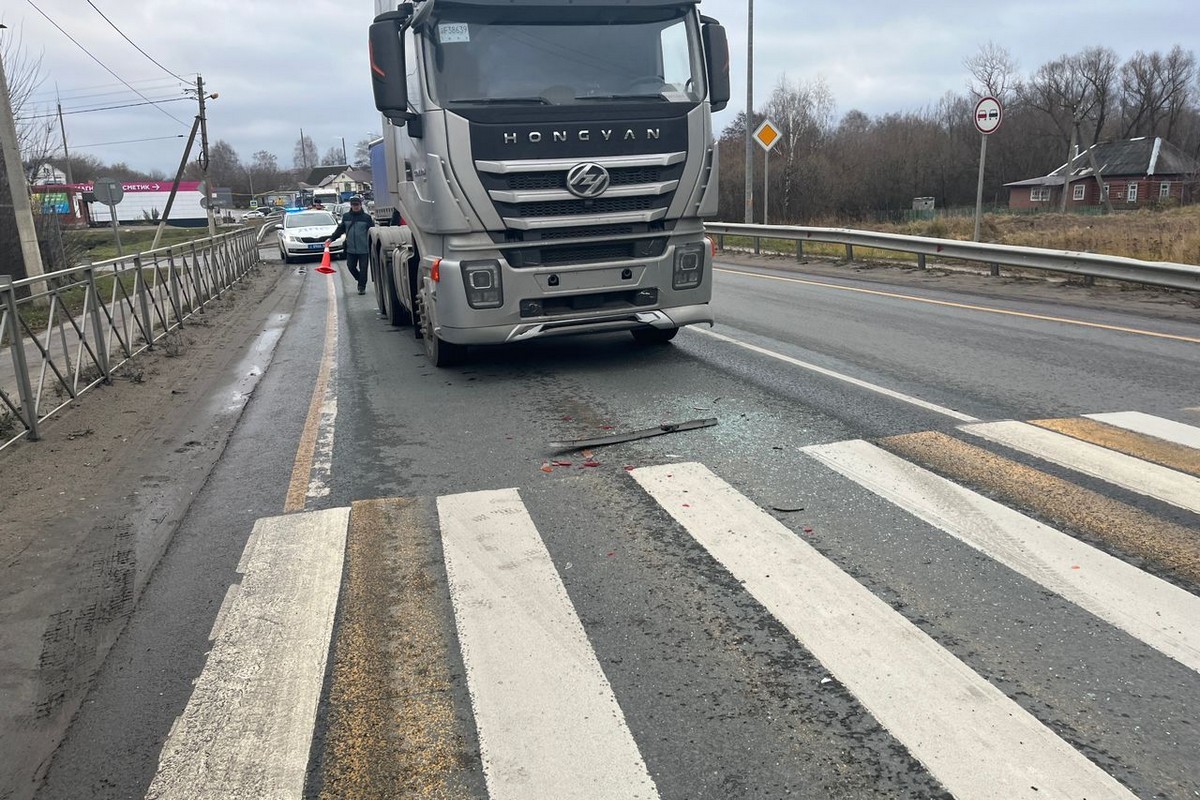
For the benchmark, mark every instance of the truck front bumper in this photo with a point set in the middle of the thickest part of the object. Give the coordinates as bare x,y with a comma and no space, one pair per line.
664,318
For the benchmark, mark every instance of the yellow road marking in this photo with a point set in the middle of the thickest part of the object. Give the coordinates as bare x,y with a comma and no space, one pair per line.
965,306
1062,503
302,467
1168,454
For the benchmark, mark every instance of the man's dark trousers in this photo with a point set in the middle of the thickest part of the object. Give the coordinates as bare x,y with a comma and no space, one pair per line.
357,264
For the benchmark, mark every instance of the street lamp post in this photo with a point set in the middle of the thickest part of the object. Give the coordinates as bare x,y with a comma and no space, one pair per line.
750,112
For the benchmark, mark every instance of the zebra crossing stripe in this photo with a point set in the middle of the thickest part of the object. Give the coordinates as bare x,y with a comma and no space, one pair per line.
1119,469
1148,608
247,729
971,737
549,724
1166,429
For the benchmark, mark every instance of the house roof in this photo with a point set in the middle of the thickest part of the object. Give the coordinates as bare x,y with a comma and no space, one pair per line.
1130,158
318,174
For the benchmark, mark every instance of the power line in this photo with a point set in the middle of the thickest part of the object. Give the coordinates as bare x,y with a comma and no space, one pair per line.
84,92
148,102
101,63
130,141
135,47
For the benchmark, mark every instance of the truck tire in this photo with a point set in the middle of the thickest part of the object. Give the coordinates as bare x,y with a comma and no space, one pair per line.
397,315
440,352
377,277
654,335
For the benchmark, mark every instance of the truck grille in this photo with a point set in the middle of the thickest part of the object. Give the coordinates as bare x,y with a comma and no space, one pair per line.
531,195
566,208
558,180
596,252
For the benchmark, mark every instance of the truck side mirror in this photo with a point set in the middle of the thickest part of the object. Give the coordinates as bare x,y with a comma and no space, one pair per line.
389,76
716,61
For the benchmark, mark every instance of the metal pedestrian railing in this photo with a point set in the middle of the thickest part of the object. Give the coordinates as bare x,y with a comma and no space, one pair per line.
1091,265
66,332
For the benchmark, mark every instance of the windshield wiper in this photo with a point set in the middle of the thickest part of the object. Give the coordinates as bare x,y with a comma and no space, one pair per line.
495,100
657,97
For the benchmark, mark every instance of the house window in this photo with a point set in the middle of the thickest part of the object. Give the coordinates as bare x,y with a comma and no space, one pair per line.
1080,192
1040,194
1131,193
1106,190
1164,190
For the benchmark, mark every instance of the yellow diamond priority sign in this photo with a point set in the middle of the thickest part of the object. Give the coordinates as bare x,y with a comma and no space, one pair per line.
767,135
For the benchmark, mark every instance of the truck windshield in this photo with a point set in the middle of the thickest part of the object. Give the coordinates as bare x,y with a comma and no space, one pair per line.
631,56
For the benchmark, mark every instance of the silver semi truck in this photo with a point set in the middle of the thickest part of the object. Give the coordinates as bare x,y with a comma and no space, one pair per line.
548,165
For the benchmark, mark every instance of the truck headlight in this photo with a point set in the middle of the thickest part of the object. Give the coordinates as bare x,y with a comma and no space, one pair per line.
689,266
483,284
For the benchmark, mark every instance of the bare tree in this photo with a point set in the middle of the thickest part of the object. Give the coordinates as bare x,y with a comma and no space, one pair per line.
1156,91
35,125
995,73
1075,89
332,157
362,151
803,112
304,155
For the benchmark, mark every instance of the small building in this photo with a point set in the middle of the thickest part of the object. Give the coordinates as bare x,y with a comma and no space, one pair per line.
349,182
1135,173
69,202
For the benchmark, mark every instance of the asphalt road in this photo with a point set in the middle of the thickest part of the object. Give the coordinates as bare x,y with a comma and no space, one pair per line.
753,608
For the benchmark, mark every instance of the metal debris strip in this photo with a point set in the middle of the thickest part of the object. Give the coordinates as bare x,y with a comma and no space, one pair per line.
618,438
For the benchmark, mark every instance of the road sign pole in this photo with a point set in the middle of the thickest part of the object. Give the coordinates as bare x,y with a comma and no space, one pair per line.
987,117
766,186
112,210
979,188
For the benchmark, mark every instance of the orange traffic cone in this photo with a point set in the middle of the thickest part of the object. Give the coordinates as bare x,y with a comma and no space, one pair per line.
325,269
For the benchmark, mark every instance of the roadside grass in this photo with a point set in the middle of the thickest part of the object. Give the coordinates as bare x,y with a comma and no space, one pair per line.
98,244
1148,235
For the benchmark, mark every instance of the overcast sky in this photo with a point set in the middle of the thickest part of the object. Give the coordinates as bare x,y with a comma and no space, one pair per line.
283,65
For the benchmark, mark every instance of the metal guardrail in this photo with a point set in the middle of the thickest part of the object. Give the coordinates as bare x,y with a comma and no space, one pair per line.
74,327
1151,273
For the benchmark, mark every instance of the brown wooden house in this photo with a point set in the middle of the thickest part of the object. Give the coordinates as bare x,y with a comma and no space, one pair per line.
1135,173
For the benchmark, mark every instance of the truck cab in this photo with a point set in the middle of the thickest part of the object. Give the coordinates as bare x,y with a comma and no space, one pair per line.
550,165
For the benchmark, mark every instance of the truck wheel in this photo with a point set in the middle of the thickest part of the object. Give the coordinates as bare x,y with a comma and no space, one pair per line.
377,280
440,352
396,314
654,335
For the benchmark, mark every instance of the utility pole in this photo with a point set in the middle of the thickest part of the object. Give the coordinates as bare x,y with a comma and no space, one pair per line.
303,151
345,160
66,153
212,224
750,113
18,188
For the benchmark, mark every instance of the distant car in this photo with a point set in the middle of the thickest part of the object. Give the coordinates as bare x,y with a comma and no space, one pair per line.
253,214
303,233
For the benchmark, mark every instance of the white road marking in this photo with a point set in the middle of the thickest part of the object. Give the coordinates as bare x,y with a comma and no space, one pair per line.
971,737
247,729
1165,429
1152,610
1116,468
549,725
871,387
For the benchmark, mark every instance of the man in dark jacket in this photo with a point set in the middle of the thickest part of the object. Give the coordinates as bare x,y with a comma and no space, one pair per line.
354,226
